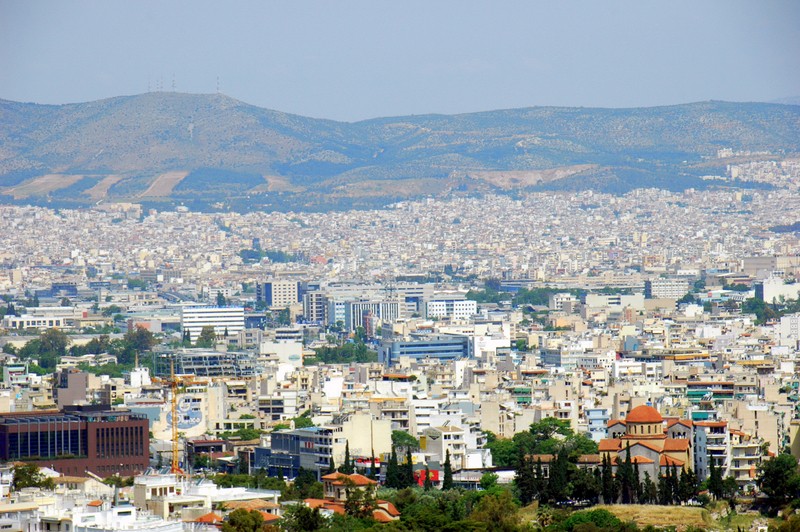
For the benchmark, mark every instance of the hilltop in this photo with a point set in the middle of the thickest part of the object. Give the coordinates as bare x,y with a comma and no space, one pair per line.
206,150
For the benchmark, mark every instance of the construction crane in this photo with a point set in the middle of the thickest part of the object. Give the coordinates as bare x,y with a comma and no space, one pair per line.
173,384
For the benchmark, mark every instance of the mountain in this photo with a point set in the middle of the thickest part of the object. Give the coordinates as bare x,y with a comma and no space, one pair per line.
212,150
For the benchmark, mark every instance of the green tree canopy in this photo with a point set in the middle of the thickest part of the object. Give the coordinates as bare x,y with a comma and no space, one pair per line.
242,520
778,478
29,476
401,438
207,337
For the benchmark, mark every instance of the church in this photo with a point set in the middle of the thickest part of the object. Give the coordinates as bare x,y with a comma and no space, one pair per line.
655,444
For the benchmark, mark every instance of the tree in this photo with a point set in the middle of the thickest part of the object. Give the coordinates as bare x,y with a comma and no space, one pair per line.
498,512
674,484
54,342
625,475
664,494
428,483
221,299
29,476
504,452
447,481
407,471
242,520
687,486
373,470
778,478
393,479
558,485
488,481
140,339
607,481
345,467
585,485
715,478
301,518
649,490
403,439
207,337
358,503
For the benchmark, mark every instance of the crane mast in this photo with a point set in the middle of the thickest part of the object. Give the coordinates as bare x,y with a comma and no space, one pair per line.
173,383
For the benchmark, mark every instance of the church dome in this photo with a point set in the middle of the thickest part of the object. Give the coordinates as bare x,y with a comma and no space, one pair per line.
644,414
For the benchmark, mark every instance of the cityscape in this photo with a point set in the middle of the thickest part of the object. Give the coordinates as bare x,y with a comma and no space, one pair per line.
524,269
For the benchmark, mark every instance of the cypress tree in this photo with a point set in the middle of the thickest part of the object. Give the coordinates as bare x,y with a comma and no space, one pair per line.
664,496
540,483
637,483
346,465
372,468
674,485
625,475
408,471
525,479
685,489
447,481
428,482
331,466
558,484
714,478
392,472
607,481
649,490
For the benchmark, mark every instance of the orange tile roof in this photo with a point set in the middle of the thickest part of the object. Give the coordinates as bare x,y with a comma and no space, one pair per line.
357,479
268,517
644,414
684,422
95,504
210,518
389,507
677,444
609,445
380,516
638,459
670,461
253,504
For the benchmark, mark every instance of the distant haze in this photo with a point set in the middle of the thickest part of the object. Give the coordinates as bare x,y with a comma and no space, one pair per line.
351,60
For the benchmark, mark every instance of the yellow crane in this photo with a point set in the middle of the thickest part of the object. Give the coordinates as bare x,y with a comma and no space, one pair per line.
173,384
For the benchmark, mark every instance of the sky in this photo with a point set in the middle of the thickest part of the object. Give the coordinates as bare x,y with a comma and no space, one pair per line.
353,60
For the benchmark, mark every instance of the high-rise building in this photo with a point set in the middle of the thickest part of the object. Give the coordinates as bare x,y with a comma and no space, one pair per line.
315,307
278,293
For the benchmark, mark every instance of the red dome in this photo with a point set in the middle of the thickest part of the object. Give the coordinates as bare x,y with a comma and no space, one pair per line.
644,414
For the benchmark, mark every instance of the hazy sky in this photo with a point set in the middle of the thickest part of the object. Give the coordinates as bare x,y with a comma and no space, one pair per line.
350,60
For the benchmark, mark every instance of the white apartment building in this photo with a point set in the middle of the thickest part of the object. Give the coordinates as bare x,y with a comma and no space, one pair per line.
456,309
228,320
789,330
557,301
662,288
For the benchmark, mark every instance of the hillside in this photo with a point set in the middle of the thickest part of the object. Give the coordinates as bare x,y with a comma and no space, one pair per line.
211,149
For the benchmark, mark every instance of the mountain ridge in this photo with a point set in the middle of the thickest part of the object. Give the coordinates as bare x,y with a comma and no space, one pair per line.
214,149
